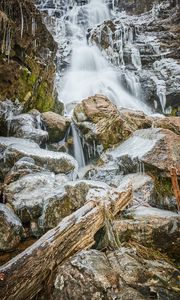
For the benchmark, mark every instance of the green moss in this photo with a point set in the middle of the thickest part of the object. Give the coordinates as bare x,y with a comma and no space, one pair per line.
34,91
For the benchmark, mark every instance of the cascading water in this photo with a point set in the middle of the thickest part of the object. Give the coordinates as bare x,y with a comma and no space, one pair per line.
89,72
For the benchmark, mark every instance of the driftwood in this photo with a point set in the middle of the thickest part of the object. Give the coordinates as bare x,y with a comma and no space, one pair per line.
24,276
175,185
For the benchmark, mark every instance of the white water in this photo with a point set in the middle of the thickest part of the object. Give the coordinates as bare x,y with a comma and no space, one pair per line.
89,72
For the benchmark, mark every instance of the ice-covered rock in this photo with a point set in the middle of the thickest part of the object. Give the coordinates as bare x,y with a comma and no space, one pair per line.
26,126
54,161
11,229
151,227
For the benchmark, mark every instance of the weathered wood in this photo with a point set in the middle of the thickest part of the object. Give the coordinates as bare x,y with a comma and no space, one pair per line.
175,185
23,277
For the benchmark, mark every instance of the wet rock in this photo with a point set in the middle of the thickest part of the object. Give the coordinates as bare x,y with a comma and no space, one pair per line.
11,229
54,161
122,274
156,151
7,110
22,167
29,194
156,148
27,126
171,123
100,121
44,199
143,188
6,142
151,227
56,126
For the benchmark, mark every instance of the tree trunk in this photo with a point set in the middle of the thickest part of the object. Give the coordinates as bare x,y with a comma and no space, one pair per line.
24,276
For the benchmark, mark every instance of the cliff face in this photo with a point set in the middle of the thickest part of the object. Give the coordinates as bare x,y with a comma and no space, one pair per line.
27,51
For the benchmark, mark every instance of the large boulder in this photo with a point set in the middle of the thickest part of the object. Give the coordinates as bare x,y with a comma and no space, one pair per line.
27,58
100,121
157,148
156,151
122,274
151,227
11,229
56,126
44,199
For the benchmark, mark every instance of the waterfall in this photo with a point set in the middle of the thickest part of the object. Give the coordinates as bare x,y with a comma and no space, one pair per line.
87,71
78,149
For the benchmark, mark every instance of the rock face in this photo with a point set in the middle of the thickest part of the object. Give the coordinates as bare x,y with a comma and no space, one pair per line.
100,121
11,229
26,60
56,126
123,274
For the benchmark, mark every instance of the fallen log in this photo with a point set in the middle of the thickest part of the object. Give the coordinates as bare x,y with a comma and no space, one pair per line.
24,276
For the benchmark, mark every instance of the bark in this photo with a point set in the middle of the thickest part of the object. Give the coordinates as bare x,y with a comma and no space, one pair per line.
25,275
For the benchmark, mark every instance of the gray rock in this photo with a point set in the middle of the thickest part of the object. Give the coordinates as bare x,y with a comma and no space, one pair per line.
27,126
11,229
143,188
122,274
54,161
29,194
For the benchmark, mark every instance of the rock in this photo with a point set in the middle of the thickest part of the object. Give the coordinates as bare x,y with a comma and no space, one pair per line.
54,161
151,227
143,188
22,167
11,229
44,198
5,142
156,148
56,126
109,173
26,126
7,110
122,274
100,121
171,123
26,68
29,194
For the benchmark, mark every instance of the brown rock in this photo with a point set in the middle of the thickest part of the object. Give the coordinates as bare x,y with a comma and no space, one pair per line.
100,121
56,126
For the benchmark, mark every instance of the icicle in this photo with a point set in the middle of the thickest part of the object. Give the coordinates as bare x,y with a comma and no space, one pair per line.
22,19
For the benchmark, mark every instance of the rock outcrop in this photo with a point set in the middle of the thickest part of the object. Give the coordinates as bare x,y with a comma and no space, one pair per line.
27,52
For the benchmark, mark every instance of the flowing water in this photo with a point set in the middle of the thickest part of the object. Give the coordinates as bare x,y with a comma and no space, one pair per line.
82,69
